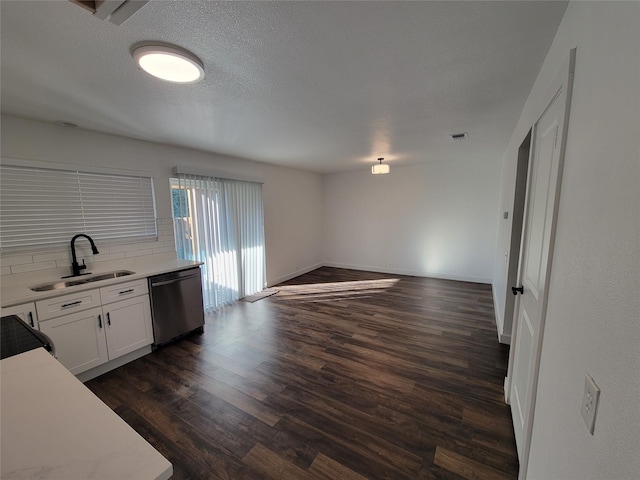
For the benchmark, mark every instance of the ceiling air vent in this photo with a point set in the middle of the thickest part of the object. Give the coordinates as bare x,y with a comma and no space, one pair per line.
460,136
116,11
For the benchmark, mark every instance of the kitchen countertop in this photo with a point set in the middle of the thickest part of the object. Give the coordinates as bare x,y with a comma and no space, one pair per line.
15,290
53,427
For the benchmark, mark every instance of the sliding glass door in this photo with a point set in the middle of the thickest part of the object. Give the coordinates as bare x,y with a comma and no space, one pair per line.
220,222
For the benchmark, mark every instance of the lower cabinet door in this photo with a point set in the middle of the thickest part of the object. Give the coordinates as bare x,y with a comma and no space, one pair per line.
128,325
79,339
27,312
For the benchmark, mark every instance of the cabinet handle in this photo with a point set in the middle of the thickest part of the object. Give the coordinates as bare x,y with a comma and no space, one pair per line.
126,291
108,319
77,302
30,315
99,321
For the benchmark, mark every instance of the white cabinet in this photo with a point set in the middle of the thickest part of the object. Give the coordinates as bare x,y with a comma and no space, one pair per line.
79,339
26,311
113,321
65,304
120,291
128,325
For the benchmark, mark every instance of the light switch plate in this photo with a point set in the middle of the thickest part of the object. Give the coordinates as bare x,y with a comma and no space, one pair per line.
590,402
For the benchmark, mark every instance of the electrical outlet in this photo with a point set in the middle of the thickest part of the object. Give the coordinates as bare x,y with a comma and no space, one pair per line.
590,402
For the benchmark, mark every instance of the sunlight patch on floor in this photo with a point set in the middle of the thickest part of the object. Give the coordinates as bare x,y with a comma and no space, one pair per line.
319,292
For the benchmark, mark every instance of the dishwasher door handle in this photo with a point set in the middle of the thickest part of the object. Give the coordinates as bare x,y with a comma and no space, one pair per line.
169,282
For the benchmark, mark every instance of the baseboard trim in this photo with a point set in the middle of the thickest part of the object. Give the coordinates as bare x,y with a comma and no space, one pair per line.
507,400
411,273
295,274
502,338
496,312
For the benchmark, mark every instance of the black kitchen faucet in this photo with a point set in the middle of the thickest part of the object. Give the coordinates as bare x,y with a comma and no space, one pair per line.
74,264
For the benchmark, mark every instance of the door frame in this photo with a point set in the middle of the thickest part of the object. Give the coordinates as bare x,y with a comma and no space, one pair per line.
515,243
562,81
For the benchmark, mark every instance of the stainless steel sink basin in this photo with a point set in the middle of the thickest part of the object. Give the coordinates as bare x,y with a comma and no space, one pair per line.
107,276
45,287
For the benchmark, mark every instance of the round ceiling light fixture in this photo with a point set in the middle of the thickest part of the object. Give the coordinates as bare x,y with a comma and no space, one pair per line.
169,63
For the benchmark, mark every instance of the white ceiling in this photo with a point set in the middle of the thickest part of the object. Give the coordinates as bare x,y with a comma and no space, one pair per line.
322,86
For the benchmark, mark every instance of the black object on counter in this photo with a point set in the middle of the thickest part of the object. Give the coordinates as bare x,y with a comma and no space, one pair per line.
18,337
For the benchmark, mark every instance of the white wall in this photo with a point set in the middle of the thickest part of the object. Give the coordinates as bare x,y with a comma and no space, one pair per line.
436,219
593,317
292,198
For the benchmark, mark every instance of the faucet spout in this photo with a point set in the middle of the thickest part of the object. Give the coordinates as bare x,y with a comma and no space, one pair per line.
75,267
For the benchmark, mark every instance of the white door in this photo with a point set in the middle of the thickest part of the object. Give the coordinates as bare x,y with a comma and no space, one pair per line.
545,170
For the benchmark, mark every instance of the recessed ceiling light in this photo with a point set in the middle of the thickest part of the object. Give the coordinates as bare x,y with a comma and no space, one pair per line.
169,63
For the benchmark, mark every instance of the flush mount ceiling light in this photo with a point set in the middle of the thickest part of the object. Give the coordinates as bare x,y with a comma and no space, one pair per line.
169,63
380,169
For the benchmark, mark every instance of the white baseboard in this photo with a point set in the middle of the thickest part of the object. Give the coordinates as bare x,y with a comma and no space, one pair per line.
502,338
412,273
507,400
496,310
295,274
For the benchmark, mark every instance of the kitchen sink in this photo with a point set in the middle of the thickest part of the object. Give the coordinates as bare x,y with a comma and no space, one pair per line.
45,287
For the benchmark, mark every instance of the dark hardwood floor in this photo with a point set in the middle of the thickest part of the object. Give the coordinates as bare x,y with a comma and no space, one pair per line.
341,375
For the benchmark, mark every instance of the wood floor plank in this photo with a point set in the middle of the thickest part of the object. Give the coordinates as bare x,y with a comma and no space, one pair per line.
263,460
218,461
466,467
366,462
287,442
325,468
342,374
241,400
184,465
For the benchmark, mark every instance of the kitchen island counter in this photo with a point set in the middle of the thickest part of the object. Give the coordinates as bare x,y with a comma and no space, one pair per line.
53,427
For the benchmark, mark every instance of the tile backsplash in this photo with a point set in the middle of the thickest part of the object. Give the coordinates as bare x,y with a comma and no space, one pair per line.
55,258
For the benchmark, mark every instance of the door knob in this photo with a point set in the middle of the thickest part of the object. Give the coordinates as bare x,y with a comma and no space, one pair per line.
515,290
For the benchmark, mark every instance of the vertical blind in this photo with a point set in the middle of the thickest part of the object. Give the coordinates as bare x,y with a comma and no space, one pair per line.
220,222
41,207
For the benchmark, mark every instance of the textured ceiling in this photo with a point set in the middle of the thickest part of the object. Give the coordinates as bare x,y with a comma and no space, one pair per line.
322,86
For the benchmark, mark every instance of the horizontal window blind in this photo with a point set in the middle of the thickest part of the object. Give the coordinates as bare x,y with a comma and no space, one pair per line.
42,207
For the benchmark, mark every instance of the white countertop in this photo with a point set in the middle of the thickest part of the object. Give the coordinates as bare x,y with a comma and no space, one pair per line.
14,289
53,427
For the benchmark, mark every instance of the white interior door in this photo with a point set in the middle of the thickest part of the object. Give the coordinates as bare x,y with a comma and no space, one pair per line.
545,170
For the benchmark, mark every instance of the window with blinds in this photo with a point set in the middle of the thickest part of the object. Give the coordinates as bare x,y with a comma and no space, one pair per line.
44,208
220,222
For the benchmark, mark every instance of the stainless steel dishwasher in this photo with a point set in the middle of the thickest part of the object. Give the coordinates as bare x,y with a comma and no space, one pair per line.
176,304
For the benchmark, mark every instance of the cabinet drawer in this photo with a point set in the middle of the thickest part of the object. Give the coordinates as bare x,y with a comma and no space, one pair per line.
64,304
120,291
